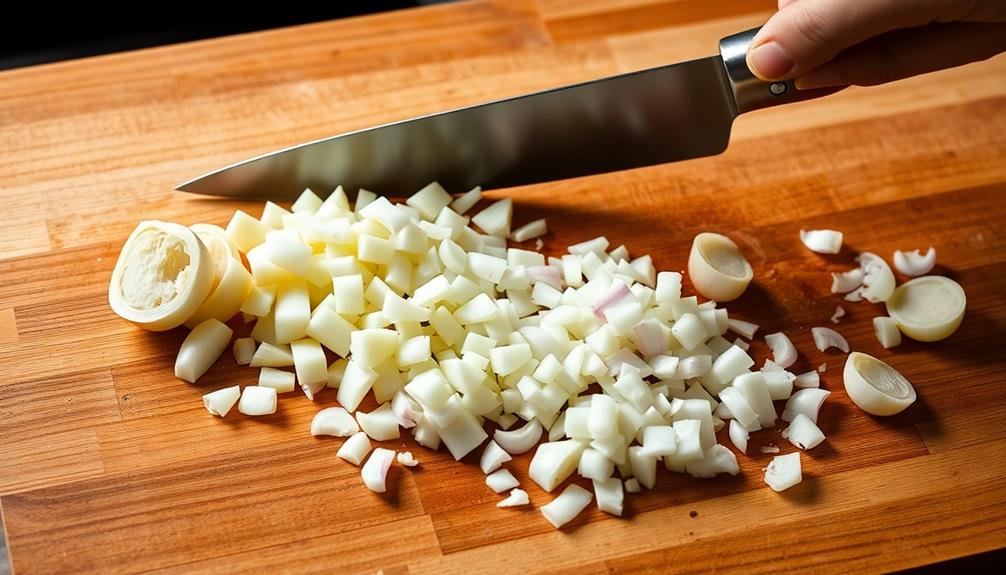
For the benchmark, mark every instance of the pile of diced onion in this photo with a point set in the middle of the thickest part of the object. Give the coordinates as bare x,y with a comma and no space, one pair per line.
449,329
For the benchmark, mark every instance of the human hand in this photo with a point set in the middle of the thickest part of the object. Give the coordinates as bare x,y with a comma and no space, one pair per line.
831,43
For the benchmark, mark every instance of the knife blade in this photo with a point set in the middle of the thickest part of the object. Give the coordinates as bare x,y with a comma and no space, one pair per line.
670,113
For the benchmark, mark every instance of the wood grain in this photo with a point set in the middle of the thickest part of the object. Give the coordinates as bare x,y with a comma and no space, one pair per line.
110,456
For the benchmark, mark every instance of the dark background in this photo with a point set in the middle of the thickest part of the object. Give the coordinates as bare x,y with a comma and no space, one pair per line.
55,31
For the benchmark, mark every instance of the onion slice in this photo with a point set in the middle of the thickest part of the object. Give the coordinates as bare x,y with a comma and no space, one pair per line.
914,263
807,401
783,351
878,279
825,337
845,282
822,241
375,470
519,440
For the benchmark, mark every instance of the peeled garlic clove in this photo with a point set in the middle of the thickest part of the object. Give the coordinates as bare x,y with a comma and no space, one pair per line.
717,268
929,308
878,279
913,263
163,274
876,387
822,241
201,348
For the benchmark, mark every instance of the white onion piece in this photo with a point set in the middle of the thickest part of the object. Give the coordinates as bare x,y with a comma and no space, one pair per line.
878,279
783,351
632,485
334,421
355,449
467,200
807,401
566,506
519,440
854,296
822,241
501,480
530,230
839,314
516,498
594,465
913,263
769,449
876,387
929,308
783,471
201,349
257,400
715,459
380,424
407,412
886,330
693,366
738,436
807,380
244,350
548,275
718,269
609,495
221,401
493,457
375,470
615,295
407,459
743,328
825,337
554,461
845,282
803,433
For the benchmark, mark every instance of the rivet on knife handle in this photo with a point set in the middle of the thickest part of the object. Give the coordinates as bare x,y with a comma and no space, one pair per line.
750,92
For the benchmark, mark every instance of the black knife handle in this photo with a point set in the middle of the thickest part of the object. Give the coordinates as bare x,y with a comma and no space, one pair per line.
750,92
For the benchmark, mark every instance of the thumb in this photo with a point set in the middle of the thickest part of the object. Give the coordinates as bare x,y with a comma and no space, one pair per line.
804,34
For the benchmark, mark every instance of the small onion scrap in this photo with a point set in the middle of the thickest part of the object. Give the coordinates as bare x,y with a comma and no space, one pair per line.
913,263
822,241
717,267
825,338
783,351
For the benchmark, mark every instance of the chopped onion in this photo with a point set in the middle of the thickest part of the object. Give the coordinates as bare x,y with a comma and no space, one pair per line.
407,459
886,330
501,480
846,282
244,350
913,263
355,449
609,495
632,485
825,337
554,461
529,231
876,387
743,328
375,470
334,421
519,440
380,424
566,505
693,366
822,241
783,351
407,412
221,401
806,401
854,296
839,313
809,379
739,436
493,457
257,400
616,295
769,449
516,498
878,279
803,433
201,348
783,471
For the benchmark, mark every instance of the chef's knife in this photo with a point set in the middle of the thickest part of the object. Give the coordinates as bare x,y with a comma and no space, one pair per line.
665,114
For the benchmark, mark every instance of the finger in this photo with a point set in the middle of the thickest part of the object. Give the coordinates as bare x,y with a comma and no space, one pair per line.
805,34
784,3
904,53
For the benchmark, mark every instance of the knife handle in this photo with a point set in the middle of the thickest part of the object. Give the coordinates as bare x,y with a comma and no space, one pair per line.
749,91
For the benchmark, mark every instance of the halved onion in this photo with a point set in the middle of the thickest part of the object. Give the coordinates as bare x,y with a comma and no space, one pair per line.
717,268
876,387
929,308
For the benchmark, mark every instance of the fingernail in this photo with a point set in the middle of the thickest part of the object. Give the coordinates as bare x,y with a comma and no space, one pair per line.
820,78
769,61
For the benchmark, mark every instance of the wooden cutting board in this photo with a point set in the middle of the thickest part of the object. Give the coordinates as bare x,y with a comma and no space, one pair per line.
109,464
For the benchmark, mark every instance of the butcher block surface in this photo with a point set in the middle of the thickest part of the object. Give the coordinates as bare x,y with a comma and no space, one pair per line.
110,464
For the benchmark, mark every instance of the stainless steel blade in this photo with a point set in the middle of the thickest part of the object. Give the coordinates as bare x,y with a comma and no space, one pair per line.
660,115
